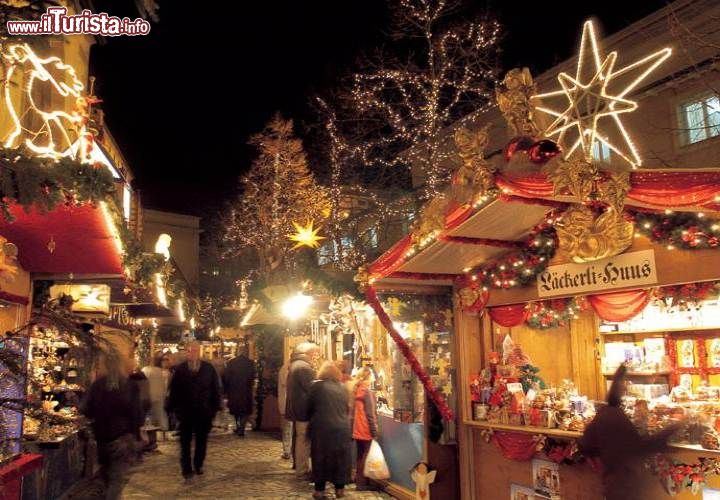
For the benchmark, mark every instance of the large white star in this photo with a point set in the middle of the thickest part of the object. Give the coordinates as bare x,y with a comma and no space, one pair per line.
589,99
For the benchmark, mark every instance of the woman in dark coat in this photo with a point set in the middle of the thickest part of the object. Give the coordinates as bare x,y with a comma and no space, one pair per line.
238,379
613,439
329,430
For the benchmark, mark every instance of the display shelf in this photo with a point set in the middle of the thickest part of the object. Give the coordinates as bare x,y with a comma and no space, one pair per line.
665,330
529,429
641,374
694,447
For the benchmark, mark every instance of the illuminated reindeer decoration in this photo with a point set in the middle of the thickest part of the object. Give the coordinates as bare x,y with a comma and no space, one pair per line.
47,132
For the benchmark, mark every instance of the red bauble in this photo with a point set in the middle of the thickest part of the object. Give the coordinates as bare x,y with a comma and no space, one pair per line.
519,143
544,150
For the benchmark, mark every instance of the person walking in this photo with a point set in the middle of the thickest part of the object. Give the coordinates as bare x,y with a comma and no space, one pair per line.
195,399
238,379
287,425
300,378
330,431
613,439
158,376
364,423
113,406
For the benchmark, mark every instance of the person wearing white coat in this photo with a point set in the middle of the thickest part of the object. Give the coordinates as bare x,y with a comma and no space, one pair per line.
287,425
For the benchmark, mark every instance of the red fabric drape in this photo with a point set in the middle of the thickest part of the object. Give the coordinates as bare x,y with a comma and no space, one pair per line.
509,316
675,189
529,186
390,260
434,394
464,240
456,215
515,445
619,306
662,189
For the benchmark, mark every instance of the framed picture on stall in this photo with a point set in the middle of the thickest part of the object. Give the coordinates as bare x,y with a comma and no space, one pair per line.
519,492
546,478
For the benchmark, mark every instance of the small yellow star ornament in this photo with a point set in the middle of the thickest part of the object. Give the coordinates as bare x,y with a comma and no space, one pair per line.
305,235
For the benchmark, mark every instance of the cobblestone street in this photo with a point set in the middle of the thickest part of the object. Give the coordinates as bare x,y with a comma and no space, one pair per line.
248,467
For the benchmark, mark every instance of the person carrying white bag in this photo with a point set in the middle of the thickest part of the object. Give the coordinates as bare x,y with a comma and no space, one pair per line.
375,465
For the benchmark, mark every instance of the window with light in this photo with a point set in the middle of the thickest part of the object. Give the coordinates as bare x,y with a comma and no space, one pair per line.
601,151
701,119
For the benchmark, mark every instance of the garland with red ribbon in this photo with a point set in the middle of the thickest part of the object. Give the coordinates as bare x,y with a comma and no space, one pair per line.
432,392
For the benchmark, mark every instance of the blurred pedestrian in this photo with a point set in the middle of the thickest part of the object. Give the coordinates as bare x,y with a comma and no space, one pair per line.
330,431
287,425
113,406
301,375
238,379
613,439
158,376
195,399
364,423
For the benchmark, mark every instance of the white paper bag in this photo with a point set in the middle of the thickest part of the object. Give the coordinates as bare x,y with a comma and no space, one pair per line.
375,465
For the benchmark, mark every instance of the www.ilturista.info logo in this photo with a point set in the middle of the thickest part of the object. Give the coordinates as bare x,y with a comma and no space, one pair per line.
56,21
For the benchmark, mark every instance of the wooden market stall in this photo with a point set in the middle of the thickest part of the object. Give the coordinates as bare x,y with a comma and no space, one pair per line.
560,269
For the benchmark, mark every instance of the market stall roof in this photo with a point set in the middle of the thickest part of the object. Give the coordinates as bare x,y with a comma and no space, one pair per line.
489,231
68,239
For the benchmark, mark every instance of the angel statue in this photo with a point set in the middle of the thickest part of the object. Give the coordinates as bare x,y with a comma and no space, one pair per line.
513,97
475,175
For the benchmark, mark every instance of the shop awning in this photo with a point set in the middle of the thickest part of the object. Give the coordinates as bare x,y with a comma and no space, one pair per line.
66,240
472,236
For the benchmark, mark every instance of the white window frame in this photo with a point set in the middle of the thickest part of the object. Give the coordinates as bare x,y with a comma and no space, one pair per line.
705,128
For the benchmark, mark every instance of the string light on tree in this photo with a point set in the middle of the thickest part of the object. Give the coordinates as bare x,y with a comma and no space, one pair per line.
590,101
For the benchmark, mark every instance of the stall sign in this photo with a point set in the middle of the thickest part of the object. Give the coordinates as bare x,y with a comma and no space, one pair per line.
633,269
88,298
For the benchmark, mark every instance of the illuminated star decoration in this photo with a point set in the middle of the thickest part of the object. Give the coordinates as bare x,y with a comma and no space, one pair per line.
589,99
305,236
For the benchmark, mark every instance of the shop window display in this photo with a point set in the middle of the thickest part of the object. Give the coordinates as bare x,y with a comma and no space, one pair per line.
425,323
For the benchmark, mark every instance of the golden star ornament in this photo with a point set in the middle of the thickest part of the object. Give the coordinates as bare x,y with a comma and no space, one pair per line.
306,236
594,107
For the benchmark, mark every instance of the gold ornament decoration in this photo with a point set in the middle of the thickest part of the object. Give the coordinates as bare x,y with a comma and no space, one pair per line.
8,260
305,236
362,278
585,237
591,101
513,96
614,190
431,220
468,296
475,177
576,176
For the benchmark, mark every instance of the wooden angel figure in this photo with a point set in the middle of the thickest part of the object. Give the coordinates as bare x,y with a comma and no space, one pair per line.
423,476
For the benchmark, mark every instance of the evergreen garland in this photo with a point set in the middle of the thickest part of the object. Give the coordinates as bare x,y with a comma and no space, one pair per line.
686,230
44,183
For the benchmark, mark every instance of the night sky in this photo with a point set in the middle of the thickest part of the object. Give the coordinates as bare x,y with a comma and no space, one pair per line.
182,101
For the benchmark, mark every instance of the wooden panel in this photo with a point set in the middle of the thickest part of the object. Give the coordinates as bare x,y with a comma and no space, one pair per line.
549,350
469,359
584,343
674,267
444,458
494,474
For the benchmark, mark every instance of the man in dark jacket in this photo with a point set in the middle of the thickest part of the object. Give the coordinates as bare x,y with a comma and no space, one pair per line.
238,379
300,377
195,399
113,405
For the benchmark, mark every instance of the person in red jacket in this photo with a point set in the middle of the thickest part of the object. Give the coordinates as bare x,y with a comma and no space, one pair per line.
364,428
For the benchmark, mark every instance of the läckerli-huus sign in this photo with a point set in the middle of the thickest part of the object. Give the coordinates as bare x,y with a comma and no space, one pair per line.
634,269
